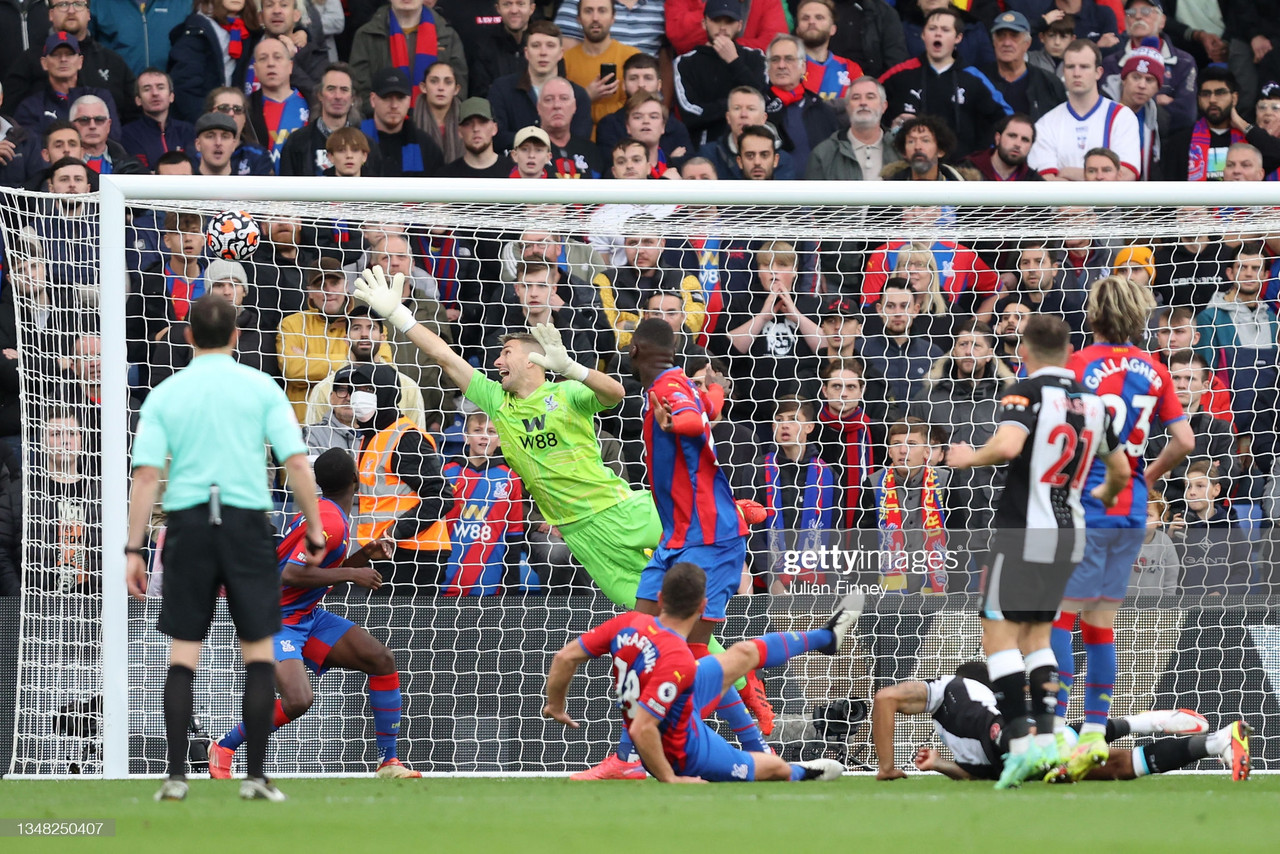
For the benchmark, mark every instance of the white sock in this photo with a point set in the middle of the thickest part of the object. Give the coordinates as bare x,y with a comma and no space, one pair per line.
1087,728
1003,663
1217,742
1046,739
1059,724
1019,745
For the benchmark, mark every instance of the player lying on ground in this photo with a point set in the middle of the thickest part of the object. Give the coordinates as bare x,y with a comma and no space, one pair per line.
967,721
664,693
548,436
314,638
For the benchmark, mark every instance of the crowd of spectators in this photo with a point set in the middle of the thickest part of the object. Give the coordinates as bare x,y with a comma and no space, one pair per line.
850,364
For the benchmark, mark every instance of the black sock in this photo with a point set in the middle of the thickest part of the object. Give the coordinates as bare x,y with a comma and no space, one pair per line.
1043,682
258,709
1011,700
1117,728
177,716
1170,754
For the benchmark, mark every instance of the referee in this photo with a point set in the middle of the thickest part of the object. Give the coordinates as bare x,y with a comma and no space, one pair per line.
210,422
1049,428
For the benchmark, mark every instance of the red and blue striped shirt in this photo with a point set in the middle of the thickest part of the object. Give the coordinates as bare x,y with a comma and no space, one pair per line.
297,603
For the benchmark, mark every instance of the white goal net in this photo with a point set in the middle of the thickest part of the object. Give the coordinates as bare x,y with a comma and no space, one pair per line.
858,342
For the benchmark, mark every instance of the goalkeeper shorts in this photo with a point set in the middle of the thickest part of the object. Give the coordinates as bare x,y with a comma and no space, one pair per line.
615,545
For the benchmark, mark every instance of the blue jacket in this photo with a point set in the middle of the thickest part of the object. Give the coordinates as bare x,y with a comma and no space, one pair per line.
196,64
141,37
26,160
145,139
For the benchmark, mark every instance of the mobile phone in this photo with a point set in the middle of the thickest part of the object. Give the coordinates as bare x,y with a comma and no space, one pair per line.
609,69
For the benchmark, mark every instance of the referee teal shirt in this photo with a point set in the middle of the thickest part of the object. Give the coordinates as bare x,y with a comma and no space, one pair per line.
213,419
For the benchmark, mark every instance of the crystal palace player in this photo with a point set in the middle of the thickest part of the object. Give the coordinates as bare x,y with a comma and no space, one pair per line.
549,439
968,723
664,694
318,639
1049,428
1138,392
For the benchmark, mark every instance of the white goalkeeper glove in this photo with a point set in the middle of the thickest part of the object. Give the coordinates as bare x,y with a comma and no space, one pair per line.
373,289
554,356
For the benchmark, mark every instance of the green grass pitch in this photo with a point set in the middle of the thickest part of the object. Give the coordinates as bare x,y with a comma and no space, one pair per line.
1160,815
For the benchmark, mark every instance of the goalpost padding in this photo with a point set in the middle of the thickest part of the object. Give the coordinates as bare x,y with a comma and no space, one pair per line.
473,670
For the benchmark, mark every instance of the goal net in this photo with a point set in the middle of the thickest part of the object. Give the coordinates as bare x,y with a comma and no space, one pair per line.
859,331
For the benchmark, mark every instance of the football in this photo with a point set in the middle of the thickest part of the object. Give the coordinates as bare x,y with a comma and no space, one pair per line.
233,235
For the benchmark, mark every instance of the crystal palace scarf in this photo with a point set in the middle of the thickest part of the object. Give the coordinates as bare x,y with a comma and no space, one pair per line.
893,538
1198,155
239,33
789,96
426,48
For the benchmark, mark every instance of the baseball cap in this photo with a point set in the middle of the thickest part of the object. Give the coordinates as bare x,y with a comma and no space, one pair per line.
352,375
327,268
60,39
1015,21
222,270
216,121
1270,91
1145,59
1137,256
1155,3
391,81
531,132
731,9
840,307
473,107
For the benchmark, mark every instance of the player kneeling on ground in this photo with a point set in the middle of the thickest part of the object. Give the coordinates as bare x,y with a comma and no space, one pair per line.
664,693
967,721
312,637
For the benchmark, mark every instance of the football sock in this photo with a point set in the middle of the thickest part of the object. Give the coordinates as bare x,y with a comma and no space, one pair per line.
778,647
716,648
797,772
1042,679
626,749
734,712
235,736
1060,642
178,702
258,709
1100,675
1217,741
384,699
1169,754
1120,727
1009,683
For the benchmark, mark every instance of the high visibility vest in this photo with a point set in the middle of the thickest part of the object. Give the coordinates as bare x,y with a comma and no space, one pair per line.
384,496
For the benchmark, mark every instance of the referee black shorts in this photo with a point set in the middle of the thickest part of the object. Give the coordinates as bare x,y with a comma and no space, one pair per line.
239,554
1027,574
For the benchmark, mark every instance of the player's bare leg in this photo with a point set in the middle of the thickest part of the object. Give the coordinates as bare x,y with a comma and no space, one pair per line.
359,650
296,698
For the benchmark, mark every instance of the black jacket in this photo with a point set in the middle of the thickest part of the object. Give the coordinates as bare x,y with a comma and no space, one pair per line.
802,125
23,25
870,33
304,153
496,55
1191,280
26,162
613,127
196,64
962,97
1044,90
103,68
514,107
256,348
10,523
703,83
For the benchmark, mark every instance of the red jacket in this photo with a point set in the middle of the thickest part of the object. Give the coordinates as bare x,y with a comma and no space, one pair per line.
684,24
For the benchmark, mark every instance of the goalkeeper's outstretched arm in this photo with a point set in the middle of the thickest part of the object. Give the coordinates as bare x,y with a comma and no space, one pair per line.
384,297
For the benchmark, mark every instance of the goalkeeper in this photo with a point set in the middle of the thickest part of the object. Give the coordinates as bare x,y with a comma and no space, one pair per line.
549,439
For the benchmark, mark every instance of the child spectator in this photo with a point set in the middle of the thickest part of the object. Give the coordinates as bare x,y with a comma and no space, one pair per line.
487,520
1214,562
348,150
1054,40
843,433
798,491
1215,440
1156,572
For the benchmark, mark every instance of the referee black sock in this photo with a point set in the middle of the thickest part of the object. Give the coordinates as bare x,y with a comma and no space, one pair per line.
177,716
258,709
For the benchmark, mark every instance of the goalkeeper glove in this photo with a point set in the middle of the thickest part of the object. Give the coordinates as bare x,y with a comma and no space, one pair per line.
373,289
554,356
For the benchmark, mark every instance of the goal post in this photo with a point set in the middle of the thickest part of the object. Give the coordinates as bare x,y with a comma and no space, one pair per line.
819,213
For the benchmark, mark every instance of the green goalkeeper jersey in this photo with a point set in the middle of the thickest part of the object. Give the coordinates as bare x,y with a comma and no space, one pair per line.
549,439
